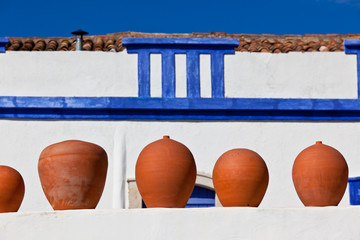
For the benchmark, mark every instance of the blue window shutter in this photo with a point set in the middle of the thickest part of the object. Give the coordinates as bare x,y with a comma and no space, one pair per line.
200,198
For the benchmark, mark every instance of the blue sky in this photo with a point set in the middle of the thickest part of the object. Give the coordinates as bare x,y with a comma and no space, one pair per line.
59,18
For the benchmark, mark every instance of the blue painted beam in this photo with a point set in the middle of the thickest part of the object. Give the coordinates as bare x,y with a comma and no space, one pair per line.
180,50
202,115
180,103
3,42
175,42
351,46
179,108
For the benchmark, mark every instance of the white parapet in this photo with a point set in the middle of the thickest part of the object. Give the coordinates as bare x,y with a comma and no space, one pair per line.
247,75
207,223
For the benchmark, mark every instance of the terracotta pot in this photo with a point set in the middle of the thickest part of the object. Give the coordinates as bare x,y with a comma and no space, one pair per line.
12,189
73,174
165,174
320,175
240,178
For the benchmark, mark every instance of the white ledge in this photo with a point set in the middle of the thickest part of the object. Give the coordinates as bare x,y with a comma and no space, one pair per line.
207,223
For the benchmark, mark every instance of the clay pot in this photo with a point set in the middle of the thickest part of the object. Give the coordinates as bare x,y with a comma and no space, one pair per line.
73,174
165,174
240,178
12,189
320,175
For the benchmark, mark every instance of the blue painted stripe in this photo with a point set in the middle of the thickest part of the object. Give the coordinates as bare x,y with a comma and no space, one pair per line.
180,50
201,201
168,74
217,74
358,73
179,108
193,74
181,41
144,73
86,114
192,47
354,179
3,42
351,46
181,103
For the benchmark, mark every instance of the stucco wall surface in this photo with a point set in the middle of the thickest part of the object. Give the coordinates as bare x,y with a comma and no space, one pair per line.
292,75
213,223
277,142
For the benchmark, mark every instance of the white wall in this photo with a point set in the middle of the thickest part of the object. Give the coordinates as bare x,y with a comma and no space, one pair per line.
277,142
163,224
68,74
320,75
292,75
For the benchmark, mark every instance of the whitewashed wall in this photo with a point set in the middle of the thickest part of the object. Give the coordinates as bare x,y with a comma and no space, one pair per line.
330,223
291,75
295,75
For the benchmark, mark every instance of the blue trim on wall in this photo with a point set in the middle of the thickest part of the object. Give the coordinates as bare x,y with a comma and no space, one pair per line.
354,190
358,73
176,42
217,74
193,107
3,42
193,74
179,108
353,47
192,47
144,73
168,74
354,179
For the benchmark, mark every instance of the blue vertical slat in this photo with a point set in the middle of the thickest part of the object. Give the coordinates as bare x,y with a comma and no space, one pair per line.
144,73
190,46
192,74
217,74
353,47
358,73
168,74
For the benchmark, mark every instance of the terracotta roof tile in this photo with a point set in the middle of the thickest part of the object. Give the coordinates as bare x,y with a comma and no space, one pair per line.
64,45
52,45
88,45
248,42
39,46
98,44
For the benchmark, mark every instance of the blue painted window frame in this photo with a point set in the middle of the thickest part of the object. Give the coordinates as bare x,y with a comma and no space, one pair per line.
201,197
354,190
193,106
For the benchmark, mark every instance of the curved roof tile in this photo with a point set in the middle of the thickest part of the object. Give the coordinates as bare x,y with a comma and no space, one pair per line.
248,42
